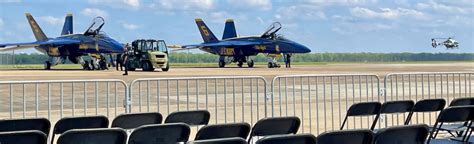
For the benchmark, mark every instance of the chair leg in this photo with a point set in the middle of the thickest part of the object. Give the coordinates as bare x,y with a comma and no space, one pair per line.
432,132
407,121
52,138
343,123
437,130
374,123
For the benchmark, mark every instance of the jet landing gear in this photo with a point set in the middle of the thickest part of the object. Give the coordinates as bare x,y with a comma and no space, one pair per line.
250,63
272,62
47,65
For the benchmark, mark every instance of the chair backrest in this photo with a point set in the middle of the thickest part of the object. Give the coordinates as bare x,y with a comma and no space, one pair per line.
223,131
85,122
220,141
426,105
40,124
410,134
363,109
192,118
275,126
429,105
402,106
455,114
134,120
288,139
462,101
23,137
160,133
94,136
346,137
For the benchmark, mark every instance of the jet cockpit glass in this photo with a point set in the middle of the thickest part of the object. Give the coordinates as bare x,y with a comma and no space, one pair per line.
281,37
95,27
272,30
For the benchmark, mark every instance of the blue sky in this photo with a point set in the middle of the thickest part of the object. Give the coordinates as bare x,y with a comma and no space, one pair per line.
322,25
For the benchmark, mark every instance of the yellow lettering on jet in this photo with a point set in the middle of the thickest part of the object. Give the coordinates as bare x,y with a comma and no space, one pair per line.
204,30
227,51
54,51
83,46
261,47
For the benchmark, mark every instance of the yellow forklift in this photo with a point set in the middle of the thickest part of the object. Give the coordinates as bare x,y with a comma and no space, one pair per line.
148,55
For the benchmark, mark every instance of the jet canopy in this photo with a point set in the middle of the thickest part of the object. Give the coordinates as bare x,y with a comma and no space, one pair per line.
95,27
272,30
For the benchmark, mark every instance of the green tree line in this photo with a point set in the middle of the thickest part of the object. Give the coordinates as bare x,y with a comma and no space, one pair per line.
312,57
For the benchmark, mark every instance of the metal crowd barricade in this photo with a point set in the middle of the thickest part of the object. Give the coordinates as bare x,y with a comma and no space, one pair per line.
321,101
55,99
228,99
425,85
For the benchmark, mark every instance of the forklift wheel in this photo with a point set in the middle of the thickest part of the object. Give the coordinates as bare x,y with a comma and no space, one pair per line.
166,68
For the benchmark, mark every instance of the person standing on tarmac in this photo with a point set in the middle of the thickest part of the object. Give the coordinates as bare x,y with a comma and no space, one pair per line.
119,62
288,60
125,59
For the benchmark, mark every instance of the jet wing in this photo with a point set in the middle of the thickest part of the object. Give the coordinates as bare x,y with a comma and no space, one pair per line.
225,44
53,42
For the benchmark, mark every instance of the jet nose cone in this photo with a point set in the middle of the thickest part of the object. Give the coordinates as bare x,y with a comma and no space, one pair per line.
303,49
306,49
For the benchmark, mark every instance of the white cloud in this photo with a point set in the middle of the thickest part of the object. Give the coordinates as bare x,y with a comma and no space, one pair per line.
252,4
342,2
1,23
132,3
183,4
93,12
354,28
10,1
442,7
300,12
51,20
130,26
387,13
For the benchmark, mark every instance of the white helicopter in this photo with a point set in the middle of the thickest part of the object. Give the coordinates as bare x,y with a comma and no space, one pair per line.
449,43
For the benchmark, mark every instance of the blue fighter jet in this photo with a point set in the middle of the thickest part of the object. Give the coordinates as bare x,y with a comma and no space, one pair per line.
68,45
233,49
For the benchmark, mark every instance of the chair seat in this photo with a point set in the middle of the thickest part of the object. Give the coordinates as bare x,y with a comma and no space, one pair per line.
453,127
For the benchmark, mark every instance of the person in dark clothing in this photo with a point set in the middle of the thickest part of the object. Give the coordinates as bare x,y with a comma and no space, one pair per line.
119,62
92,64
125,59
288,60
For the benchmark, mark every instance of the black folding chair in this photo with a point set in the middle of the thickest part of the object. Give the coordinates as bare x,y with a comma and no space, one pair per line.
220,141
160,134
94,136
454,114
346,137
275,126
397,107
223,131
288,139
134,120
426,105
407,134
40,124
192,118
23,137
462,101
86,122
364,109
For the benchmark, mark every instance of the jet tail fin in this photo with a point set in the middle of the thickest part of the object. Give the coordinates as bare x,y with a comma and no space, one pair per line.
39,34
67,28
206,33
229,29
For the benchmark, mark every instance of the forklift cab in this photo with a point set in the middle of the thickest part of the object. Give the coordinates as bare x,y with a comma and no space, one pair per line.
149,54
